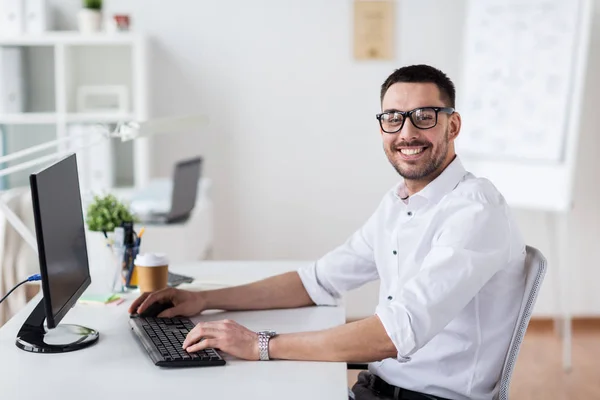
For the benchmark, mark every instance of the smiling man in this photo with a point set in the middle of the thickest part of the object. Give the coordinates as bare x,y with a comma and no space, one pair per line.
443,245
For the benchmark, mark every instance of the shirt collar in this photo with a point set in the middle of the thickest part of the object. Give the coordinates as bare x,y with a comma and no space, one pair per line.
440,186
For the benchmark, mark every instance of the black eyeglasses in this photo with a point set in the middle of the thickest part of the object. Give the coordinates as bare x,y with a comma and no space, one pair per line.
422,118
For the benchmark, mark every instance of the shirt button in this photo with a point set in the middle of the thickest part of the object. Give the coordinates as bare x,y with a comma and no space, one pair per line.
390,297
409,213
395,252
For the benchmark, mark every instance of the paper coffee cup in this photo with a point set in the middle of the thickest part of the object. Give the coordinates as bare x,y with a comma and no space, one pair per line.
152,271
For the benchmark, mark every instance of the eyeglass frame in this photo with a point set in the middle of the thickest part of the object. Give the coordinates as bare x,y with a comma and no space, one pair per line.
408,115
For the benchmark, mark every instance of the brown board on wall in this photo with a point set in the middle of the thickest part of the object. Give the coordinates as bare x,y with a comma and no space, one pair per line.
374,30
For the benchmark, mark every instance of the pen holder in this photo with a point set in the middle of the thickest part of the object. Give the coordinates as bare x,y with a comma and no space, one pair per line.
129,272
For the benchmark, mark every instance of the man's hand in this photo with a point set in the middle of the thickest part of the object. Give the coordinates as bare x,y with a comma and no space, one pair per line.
226,335
185,303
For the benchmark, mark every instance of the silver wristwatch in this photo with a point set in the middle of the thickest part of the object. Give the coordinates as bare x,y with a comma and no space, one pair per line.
263,344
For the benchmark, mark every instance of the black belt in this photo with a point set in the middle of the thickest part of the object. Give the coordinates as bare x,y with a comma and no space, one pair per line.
379,386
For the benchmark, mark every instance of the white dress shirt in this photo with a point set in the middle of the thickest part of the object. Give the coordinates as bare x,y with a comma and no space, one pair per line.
450,260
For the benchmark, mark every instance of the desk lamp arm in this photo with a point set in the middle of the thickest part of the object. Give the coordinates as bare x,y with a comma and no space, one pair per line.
124,130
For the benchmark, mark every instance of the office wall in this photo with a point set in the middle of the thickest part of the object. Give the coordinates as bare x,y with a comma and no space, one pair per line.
293,145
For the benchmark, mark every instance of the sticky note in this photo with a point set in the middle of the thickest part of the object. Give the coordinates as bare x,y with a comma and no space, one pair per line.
99,298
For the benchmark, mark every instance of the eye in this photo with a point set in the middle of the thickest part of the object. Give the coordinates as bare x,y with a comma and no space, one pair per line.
424,115
394,118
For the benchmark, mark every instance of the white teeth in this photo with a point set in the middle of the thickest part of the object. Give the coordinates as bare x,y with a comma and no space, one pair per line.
410,152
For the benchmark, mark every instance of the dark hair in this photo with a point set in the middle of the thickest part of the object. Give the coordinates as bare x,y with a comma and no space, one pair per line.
423,74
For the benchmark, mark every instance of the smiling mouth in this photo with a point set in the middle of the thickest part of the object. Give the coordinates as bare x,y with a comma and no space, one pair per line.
412,151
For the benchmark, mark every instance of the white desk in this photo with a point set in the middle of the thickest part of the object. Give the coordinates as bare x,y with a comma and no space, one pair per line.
117,366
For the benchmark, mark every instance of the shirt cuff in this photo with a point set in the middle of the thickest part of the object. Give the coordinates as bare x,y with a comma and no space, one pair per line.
318,294
396,322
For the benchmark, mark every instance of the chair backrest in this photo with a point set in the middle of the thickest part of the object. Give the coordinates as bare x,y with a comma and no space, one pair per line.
535,270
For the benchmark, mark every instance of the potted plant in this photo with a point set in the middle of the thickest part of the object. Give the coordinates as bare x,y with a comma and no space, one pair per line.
90,16
103,215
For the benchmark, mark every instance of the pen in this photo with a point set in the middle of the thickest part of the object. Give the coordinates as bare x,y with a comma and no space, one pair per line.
139,236
129,243
129,254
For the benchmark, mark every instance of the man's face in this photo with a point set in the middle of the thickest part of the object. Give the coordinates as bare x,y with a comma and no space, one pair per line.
419,154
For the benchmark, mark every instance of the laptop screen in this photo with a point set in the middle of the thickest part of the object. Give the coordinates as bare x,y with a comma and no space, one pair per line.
185,187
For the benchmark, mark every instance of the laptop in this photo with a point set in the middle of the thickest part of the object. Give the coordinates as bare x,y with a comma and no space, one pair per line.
149,205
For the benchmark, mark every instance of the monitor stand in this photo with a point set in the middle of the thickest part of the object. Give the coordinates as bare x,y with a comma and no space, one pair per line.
34,337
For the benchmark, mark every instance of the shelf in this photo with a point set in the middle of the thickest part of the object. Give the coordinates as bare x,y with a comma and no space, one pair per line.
71,38
53,118
55,64
28,119
98,117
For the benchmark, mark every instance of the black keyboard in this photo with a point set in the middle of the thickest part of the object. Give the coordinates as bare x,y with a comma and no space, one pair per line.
163,337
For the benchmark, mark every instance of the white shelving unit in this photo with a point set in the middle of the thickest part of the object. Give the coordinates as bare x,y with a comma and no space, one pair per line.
71,38
61,61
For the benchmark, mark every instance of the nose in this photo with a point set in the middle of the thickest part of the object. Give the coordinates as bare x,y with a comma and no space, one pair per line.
408,132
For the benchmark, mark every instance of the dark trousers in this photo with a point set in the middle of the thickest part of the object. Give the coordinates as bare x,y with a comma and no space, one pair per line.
371,387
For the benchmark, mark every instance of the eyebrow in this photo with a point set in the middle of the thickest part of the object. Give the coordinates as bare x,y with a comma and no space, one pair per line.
390,110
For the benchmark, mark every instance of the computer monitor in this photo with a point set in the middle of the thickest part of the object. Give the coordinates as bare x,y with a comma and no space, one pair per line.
60,233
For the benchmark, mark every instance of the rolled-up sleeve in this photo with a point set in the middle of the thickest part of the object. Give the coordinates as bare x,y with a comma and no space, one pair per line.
473,243
347,267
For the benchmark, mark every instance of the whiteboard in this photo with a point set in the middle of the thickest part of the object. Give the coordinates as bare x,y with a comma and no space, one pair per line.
520,96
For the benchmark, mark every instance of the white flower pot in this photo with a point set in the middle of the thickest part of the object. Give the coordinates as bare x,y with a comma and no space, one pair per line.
101,261
89,20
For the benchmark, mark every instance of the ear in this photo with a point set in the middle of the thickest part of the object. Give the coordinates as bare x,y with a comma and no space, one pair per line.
454,123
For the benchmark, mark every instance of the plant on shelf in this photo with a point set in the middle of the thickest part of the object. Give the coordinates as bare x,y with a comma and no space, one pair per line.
106,213
93,4
90,16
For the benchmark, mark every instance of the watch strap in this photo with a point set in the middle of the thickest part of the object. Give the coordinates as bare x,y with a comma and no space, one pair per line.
263,346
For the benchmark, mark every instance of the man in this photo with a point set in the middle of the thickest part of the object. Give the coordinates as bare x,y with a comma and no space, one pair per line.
444,246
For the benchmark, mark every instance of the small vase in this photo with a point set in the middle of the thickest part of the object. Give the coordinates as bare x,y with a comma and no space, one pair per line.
89,20
101,262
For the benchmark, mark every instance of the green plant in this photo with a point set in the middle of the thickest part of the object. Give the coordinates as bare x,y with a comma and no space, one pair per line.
106,213
93,4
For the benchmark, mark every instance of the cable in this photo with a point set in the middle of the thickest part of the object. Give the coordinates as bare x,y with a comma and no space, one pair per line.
35,277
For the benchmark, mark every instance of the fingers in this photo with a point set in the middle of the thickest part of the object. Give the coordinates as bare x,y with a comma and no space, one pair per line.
204,330
203,344
172,312
151,298
136,303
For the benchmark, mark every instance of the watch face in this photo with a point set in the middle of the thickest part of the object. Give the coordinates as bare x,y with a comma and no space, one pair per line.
268,333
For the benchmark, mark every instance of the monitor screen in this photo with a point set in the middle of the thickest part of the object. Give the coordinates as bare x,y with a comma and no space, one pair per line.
60,232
